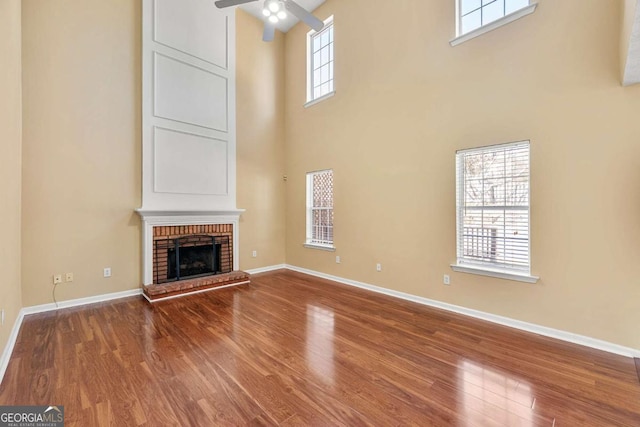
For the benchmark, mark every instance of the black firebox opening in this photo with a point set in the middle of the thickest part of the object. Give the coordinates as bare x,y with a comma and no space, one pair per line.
192,261
191,256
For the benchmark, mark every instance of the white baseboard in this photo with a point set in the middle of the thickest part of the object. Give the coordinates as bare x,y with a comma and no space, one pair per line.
80,301
8,350
266,269
506,321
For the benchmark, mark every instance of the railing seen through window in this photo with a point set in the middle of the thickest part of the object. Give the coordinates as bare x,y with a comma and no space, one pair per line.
320,208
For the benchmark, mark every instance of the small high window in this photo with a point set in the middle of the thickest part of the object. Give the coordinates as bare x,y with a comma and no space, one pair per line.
320,209
320,62
474,14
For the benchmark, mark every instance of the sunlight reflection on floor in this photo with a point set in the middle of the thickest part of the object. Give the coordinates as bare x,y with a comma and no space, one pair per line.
319,348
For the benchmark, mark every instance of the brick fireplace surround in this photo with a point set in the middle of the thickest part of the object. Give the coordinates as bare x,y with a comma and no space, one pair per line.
163,233
162,227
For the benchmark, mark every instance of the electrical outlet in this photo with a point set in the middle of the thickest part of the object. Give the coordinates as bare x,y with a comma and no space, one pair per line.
68,277
2,317
378,267
337,259
254,254
57,279
107,272
446,280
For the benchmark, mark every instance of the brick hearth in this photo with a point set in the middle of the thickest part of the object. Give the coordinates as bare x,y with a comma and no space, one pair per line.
182,287
161,289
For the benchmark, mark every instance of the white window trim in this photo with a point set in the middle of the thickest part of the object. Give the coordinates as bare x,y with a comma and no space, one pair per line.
527,10
330,248
308,221
310,100
500,274
488,270
320,98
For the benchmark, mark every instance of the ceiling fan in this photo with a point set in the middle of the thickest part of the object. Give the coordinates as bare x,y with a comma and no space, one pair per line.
276,10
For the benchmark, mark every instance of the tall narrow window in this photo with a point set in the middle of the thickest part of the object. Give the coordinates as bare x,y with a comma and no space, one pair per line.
493,208
320,62
320,209
473,14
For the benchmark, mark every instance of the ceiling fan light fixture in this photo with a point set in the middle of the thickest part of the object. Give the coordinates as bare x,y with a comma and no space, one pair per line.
273,5
273,19
282,14
266,12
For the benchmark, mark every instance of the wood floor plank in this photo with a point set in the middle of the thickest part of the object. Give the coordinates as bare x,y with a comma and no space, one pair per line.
291,350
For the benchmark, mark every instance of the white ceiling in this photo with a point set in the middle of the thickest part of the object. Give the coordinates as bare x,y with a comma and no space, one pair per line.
255,8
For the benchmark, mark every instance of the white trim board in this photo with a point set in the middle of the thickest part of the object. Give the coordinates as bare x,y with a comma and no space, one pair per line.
80,301
25,311
11,342
505,321
266,269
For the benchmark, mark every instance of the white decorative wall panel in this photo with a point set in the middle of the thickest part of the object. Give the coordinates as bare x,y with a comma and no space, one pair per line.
185,93
189,164
197,30
188,106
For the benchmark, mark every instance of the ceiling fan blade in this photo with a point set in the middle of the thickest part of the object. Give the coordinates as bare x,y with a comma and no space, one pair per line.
302,14
228,3
269,32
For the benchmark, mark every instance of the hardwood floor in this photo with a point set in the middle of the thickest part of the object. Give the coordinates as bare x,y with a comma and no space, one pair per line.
294,350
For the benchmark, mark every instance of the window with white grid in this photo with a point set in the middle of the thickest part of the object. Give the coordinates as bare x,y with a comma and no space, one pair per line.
320,208
320,62
473,14
493,207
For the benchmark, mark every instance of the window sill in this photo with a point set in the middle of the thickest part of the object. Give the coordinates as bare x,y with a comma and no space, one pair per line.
322,98
495,24
495,273
329,248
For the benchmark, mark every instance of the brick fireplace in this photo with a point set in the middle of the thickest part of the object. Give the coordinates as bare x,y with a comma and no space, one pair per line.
207,246
189,252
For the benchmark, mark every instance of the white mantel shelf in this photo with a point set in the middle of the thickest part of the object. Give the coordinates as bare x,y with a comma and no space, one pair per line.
146,213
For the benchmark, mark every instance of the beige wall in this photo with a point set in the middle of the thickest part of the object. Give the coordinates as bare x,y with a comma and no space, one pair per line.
260,144
82,150
10,149
406,101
